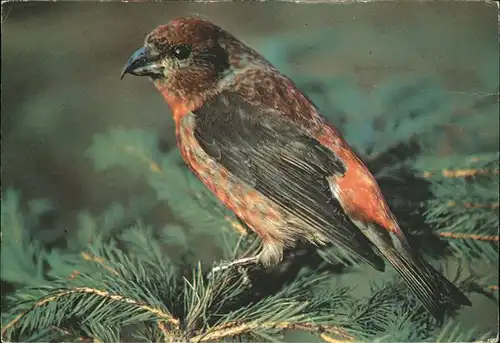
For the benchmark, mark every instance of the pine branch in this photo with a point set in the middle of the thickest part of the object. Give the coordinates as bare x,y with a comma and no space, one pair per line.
465,209
99,260
233,329
117,291
469,236
462,172
120,292
95,297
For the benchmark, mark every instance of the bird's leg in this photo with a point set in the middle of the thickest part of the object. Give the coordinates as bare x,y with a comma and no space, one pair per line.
270,254
250,256
240,262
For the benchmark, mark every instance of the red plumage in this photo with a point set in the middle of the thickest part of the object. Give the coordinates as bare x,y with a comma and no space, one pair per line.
261,146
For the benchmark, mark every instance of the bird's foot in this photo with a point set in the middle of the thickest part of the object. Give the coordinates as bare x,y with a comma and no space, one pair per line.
239,263
236,263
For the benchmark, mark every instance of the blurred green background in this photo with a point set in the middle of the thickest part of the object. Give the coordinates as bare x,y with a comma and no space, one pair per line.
60,84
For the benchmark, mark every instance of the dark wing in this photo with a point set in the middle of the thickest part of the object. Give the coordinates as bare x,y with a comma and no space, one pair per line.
279,160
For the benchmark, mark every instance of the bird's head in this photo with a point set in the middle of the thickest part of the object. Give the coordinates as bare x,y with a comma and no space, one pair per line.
189,57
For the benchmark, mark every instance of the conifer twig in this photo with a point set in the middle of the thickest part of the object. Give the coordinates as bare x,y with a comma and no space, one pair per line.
492,205
89,257
475,237
153,166
98,260
232,329
54,297
461,172
164,330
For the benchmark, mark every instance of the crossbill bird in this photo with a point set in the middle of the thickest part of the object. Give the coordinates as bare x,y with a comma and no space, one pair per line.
263,148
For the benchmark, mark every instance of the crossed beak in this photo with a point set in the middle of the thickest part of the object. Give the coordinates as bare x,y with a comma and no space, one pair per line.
141,63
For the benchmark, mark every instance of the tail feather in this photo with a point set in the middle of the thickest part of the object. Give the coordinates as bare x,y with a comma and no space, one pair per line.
435,292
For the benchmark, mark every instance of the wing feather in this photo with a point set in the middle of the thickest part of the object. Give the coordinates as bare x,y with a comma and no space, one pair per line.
279,160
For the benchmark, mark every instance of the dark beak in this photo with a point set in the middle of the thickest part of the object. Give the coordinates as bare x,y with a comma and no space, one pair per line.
142,64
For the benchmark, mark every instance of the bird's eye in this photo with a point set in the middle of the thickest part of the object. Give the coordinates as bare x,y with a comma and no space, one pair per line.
181,52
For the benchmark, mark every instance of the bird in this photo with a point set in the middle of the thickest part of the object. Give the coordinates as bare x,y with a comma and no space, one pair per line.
258,143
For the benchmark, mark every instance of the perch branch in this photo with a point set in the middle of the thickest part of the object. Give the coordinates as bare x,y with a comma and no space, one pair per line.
234,329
